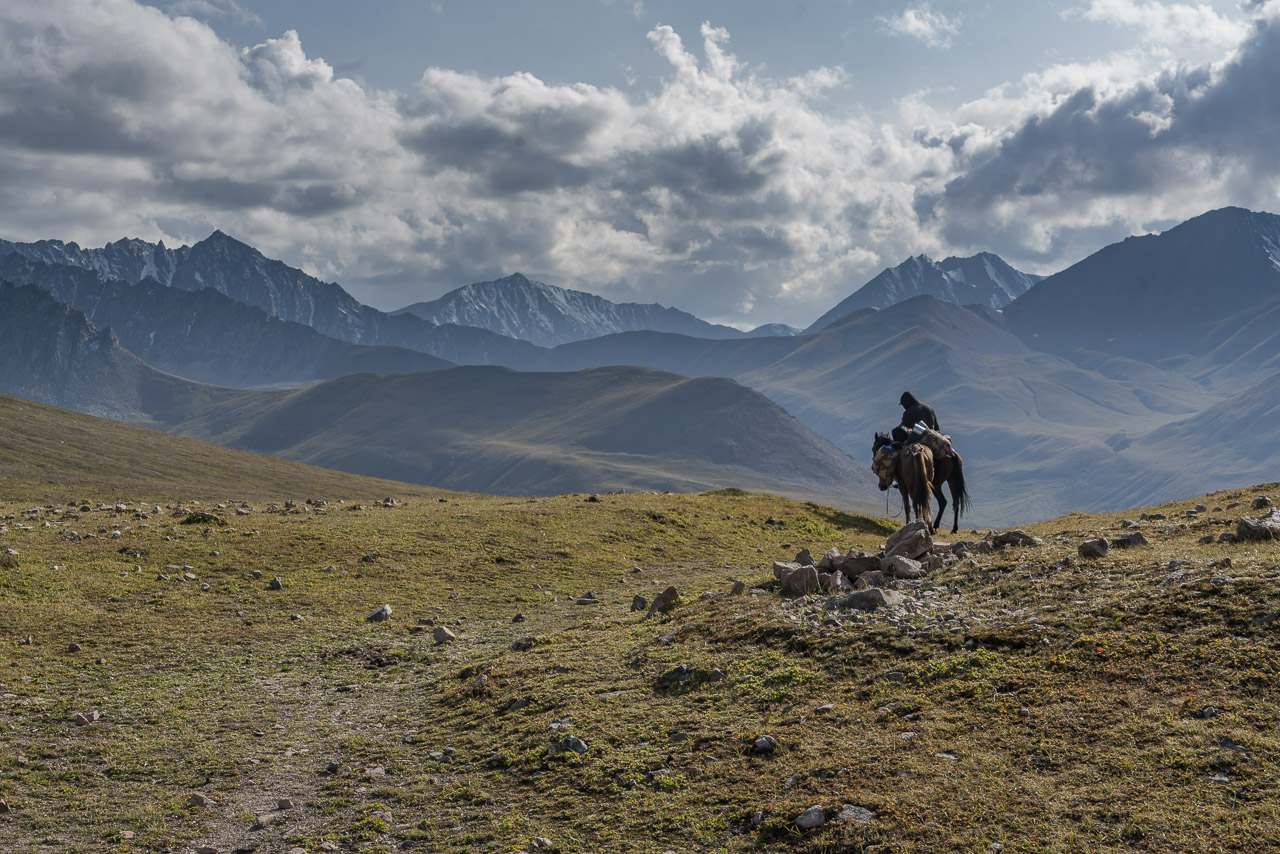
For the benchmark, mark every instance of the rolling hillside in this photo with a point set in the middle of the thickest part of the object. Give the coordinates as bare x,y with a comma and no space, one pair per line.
506,432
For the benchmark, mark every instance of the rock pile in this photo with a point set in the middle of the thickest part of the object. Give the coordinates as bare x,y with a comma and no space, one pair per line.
908,554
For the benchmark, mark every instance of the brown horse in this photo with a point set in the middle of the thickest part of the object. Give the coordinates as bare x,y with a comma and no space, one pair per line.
948,468
912,468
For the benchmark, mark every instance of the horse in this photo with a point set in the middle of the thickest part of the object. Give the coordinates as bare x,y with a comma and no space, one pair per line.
912,467
948,468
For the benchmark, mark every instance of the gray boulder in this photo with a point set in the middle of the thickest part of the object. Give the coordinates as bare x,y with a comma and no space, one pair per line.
902,567
380,615
802,582
813,817
855,566
1017,537
911,540
866,600
781,569
1124,541
1093,548
1266,528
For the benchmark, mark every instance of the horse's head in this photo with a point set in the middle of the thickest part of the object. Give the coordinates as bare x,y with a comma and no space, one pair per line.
884,461
882,439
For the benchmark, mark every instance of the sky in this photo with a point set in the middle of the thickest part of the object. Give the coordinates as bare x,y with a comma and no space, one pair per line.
751,161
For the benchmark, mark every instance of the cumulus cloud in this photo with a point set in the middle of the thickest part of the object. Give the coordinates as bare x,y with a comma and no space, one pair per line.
724,191
1170,144
932,28
1170,24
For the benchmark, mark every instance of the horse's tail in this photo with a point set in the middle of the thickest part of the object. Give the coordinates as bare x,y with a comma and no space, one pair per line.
959,492
919,488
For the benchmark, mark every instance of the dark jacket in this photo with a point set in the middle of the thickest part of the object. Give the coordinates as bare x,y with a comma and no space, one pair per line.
913,411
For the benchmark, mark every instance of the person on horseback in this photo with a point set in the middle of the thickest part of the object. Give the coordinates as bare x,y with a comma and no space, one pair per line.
913,412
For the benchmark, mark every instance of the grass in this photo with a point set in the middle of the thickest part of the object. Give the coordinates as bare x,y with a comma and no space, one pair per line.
1052,704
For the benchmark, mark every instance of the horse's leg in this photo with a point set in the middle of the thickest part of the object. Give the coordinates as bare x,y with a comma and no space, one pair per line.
940,474
906,499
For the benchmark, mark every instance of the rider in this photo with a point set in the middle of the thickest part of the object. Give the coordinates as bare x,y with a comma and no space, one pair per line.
913,412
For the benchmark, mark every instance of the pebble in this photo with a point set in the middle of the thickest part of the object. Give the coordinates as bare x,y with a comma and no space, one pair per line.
765,744
814,816
442,635
861,815
74,647
198,800
284,804
276,583
380,614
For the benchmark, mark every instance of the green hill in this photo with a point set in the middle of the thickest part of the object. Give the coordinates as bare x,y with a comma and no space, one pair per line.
48,454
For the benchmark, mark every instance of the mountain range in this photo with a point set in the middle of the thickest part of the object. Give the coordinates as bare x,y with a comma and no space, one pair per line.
475,428
549,316
982,279
1056,398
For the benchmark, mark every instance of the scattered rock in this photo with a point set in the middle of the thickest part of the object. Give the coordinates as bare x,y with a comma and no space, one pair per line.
284,804
442,635
575,744
74,647
1017,537
861,815
911,540
1093,548
380,614
198,800
866,600
681,674
737,590
782,569
899,566
854,566
1266,528
831,560
518,618
813,817
264,821
802,582
804,558
589,598
1124,541
664,600
276,583
4,807
639,603
765,744
1261,501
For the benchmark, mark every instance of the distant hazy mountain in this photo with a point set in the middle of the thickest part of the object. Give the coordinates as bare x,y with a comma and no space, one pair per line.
54,354
205,336
982,279
548,316
1232,443
773,330
597,430
245,275
1180,293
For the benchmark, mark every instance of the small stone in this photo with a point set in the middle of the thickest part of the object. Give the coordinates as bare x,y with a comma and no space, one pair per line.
575,744
284,804
276,583
74,647
541,842
442,635
198,800
804,558
520,618
738,588
639,603
813,817
255,573
908,736
765,744
380,614
1024,712
206,849
861,815
4,807
296,618
264,821
826,709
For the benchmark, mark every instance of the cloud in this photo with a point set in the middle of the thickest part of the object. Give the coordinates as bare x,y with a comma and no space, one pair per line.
723,190
208,9
1170,24
1105,157
932,28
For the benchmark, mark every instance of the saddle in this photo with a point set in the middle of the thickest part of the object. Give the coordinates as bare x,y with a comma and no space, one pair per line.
937,443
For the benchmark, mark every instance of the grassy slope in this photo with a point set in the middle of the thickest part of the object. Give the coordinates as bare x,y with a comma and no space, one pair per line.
50,454
221,692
